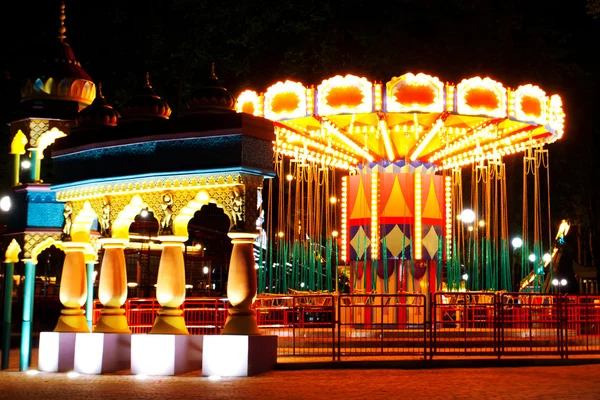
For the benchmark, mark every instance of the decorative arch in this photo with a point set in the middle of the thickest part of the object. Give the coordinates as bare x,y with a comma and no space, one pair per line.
47,138
120,227
180,223
82,223
43,245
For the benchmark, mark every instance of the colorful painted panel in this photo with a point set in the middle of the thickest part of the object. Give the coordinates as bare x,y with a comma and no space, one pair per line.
419,92
285,100
345,95
476,96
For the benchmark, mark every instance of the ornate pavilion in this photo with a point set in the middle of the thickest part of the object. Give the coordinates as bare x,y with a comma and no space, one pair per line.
109,168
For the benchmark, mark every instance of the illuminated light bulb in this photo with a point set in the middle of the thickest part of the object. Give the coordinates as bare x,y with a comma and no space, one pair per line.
333,199
32,372
547,258
470,229
144,213
467,216
205,270
482,223
72,374
25,164
280,234
532,257
334,234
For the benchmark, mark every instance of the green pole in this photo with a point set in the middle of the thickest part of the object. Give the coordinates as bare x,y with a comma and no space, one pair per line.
89,303
9,270
34,173
25,352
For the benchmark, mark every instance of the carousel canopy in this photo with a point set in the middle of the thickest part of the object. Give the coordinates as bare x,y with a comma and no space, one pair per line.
348,120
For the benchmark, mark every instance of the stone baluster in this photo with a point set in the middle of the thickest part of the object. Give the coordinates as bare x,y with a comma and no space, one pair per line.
241,286
73,289
170,287
112,288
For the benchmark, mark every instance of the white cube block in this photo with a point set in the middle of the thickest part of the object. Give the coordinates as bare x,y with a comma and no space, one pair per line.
56,351
165,354
99,353
238,355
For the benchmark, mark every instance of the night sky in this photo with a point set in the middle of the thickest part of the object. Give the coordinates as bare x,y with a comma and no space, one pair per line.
257,43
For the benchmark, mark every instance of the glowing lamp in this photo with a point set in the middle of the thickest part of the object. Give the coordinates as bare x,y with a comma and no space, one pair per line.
563,282
334,234
465,277
547,258
467,216
144,213
517,243
555,282
5,203
532,257
333,199
289,177
205,270
25,164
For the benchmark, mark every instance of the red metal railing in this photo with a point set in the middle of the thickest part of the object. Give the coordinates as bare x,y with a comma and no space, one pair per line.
447,324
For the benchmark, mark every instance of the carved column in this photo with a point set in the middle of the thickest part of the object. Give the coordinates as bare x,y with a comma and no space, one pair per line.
73,290
170,287
112,288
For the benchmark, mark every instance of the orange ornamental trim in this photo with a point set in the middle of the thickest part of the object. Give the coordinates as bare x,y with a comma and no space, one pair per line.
419,92
476,96
345,95
556,117
250,102
529,104
285,100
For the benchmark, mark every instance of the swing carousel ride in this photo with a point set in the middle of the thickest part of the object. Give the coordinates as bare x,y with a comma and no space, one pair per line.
400,150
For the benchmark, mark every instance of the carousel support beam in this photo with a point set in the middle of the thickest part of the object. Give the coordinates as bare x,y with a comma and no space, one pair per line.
385,134
358,149
436,128
29,286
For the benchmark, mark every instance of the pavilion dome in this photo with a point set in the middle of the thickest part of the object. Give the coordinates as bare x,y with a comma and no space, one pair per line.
212,97
99,113
146,105
60,76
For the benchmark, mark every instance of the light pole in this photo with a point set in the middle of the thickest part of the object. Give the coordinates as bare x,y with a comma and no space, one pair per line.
467,217
516,243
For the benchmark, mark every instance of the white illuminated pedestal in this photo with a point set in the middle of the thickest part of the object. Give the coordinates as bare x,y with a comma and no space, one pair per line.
238,355
99,353
165,354
56,351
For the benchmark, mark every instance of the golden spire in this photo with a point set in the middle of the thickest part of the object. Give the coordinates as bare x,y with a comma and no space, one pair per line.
62,28
148,80
99,93
212,71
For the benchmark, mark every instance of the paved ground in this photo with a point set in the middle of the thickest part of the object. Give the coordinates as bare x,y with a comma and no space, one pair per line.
536,382
573,382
